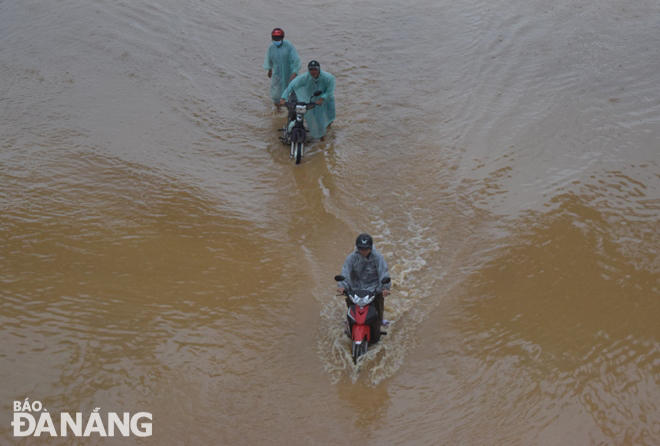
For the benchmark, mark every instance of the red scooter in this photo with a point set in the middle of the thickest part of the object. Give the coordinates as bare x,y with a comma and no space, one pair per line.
363,323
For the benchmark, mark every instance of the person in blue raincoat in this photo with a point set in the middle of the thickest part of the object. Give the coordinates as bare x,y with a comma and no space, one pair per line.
321,116
283,63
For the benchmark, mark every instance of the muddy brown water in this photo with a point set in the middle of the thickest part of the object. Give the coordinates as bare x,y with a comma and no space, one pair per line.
160,252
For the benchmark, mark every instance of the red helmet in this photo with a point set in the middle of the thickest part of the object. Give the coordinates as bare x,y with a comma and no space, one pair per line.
277,32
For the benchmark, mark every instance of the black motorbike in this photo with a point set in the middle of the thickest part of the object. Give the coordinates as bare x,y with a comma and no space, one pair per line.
295,133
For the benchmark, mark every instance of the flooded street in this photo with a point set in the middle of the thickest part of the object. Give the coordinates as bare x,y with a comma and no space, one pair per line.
161,253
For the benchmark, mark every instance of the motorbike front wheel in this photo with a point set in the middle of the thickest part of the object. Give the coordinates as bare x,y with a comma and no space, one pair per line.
360,349
299,151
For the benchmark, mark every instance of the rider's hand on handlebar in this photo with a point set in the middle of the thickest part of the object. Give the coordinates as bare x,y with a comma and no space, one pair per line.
386,293
282,101
340,290
319,102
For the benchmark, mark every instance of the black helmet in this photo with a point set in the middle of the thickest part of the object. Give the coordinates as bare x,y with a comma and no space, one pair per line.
314,64
364,241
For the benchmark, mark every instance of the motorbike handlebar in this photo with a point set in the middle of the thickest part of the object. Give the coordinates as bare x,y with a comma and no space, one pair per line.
379,288
309,105
347,290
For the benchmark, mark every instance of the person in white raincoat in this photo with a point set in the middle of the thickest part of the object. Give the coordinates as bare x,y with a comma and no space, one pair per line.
304,86
364,269
283,63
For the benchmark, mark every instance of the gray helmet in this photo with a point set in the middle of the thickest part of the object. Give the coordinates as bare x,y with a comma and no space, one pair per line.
364,241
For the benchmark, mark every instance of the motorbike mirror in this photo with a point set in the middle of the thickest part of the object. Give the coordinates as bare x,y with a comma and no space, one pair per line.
318,93
385,280
340,278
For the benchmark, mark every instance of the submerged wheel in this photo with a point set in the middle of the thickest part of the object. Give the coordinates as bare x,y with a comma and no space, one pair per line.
360,349
299,151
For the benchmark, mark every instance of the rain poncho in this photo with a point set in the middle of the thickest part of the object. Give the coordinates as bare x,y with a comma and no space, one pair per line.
284,61
321,116
364,273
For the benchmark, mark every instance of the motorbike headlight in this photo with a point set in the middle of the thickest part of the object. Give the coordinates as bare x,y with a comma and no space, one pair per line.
301,109
358,300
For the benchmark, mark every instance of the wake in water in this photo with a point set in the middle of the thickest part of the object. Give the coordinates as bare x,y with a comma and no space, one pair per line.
405,308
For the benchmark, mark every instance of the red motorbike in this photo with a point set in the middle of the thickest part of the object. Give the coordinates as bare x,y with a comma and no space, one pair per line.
362,321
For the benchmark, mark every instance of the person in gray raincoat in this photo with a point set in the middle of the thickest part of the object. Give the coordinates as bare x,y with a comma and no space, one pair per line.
283,63
364,269
304,86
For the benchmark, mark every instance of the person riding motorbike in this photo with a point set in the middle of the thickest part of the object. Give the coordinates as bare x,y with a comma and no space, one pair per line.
283,64
364,269
304,86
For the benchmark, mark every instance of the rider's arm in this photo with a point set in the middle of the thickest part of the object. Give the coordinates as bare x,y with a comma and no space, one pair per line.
382,270
294,59
268,62
329,90
346,272
287,91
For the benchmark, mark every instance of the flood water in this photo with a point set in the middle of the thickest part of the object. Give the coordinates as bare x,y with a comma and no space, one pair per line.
161,253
